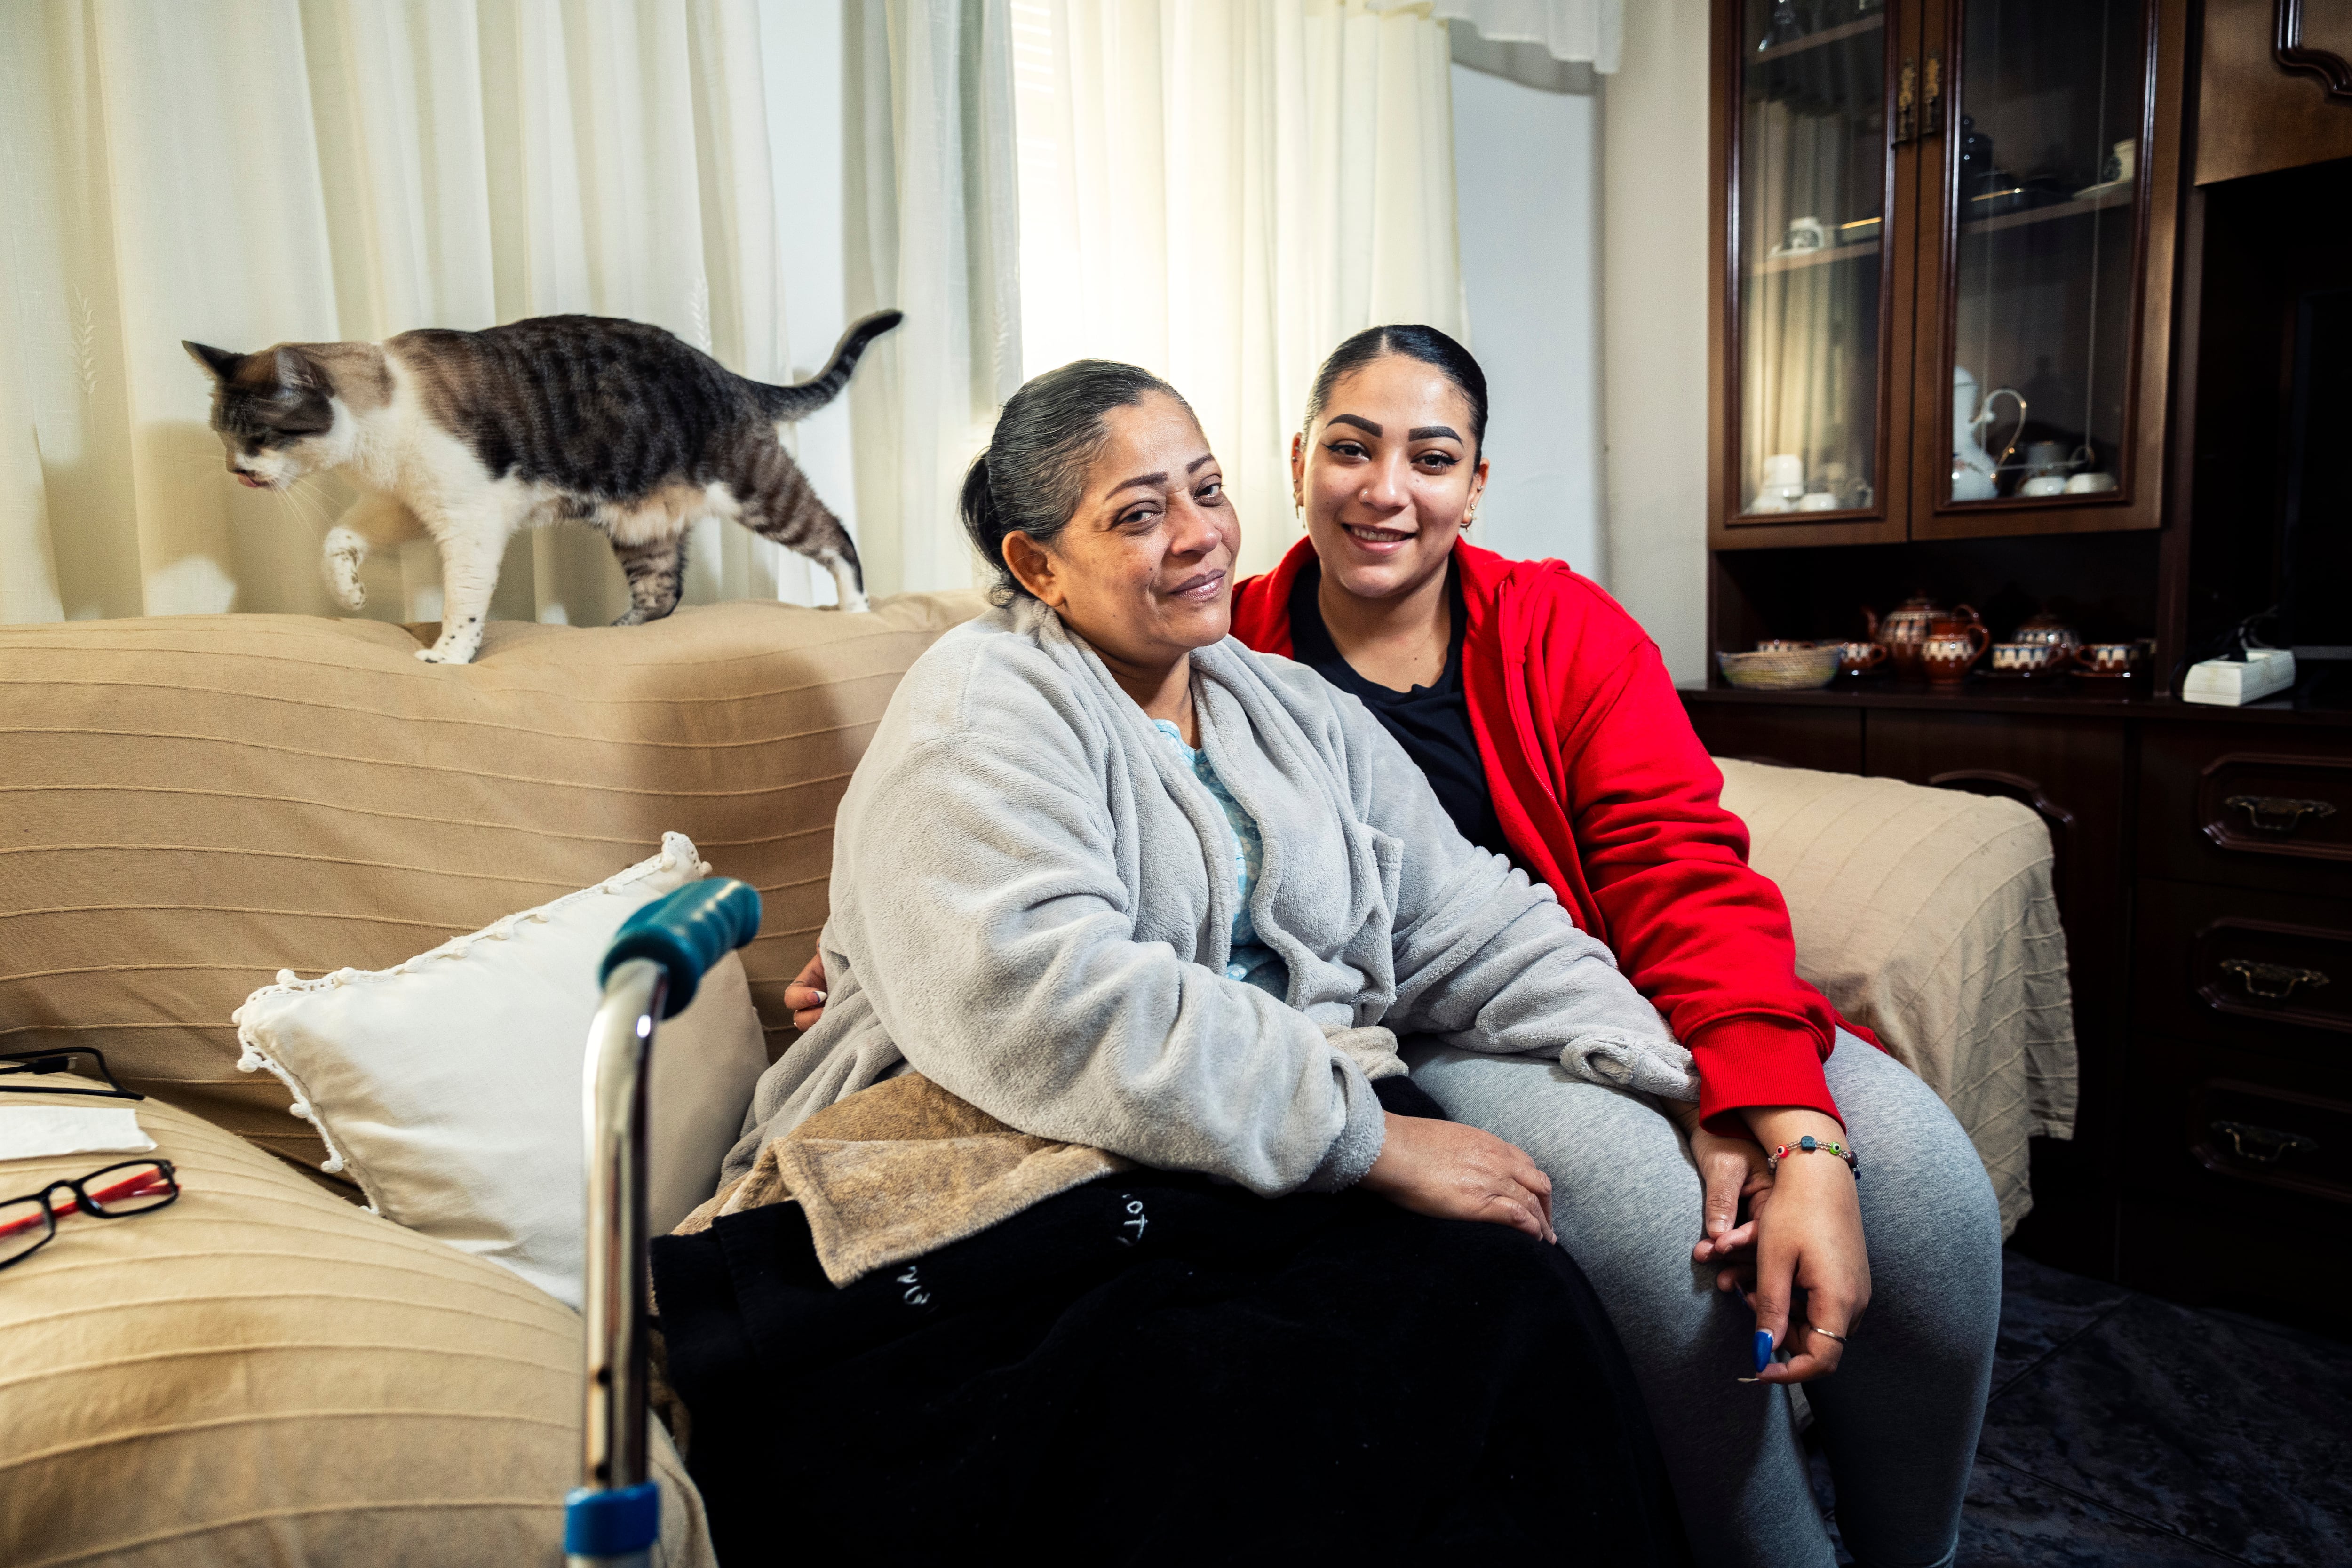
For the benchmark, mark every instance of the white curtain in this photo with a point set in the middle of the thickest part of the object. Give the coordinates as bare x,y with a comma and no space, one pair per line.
933,228
1220,191
242,172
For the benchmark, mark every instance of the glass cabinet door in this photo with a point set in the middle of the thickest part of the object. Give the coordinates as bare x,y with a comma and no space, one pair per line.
2045,179
1809,255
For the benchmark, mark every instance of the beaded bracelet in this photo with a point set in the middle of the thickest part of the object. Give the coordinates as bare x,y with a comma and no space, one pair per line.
1809,1145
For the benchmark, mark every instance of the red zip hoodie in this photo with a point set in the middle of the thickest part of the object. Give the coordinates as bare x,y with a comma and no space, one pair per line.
1606,794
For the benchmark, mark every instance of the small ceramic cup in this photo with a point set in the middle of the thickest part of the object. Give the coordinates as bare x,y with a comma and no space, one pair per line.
2024,658
2090,484
1860,657
1817,501
1805,235
2110,657
1784,471
2045,485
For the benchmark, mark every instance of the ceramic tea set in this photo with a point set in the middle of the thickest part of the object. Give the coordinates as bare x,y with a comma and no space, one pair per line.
1920,639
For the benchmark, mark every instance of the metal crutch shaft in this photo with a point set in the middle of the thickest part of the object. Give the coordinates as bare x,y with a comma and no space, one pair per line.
650,972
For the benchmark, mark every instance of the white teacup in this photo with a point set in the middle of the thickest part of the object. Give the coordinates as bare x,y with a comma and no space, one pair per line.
1805,235
2090,484
1817,501
2045,485
1785,471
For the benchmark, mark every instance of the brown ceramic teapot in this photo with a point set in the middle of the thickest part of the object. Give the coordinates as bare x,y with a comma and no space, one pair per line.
1906,628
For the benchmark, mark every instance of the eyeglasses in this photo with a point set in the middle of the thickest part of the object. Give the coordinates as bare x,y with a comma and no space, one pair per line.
60,1060
117,1192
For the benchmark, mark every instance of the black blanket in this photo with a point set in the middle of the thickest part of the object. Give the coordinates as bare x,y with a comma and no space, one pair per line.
1154,1368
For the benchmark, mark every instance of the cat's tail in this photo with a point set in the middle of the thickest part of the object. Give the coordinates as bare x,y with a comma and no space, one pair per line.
806,397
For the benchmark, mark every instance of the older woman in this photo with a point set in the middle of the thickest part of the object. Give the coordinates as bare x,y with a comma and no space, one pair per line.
1117,881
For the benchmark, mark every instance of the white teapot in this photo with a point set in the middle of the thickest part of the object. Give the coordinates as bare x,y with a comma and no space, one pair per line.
1973,467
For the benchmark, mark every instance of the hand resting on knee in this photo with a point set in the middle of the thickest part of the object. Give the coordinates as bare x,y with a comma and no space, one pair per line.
1456,1171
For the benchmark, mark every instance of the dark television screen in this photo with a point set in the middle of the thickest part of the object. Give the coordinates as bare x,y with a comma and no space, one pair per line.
2318,514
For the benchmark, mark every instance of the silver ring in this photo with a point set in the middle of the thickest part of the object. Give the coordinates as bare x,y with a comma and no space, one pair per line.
1817,1329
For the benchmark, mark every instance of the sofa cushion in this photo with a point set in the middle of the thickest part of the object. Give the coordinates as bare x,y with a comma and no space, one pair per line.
449,1087
261,1373
189,804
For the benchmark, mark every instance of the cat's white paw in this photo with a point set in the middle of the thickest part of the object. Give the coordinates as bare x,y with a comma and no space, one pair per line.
856,604
349,591
451,654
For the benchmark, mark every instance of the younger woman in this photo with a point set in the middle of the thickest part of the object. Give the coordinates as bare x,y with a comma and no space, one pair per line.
1547,724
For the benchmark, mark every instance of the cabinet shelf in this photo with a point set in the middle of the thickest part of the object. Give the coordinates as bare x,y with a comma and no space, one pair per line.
1827,36
2075,208
1804,258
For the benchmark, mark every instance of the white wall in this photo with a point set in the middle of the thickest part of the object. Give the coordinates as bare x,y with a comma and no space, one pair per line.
1654,339
1527,165
800,46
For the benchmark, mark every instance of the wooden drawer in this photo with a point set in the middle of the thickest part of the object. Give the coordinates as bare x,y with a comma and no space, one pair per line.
2226,1178
2249,805
2213,1124
2266,971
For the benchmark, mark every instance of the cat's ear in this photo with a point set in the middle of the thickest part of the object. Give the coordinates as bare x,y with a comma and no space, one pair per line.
295,370
220,361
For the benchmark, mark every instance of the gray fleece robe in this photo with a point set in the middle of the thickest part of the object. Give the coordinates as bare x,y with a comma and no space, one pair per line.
1032,900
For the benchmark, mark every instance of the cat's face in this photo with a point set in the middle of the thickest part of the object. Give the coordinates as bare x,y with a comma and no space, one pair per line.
274,412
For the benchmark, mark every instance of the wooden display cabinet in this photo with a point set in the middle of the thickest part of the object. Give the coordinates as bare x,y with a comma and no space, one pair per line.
1906,190
1942,269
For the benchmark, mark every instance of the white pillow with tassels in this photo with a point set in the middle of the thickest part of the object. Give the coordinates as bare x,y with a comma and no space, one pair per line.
450,1087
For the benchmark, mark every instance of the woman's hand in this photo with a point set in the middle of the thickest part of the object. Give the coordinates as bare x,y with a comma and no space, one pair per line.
1454,1171
1808,1238
1731,1170
805,995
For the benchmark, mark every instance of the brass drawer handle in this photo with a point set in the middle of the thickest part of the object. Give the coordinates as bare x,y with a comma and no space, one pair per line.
2278,813
2263,1145
2272,982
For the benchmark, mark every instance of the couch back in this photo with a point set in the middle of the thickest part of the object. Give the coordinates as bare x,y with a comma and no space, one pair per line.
188,805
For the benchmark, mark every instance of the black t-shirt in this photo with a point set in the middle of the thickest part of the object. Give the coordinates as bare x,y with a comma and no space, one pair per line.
1431,722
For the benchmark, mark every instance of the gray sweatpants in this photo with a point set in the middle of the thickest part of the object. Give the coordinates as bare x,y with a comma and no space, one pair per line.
1899,1418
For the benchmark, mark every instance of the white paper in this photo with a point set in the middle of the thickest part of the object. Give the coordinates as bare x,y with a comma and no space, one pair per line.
40,1131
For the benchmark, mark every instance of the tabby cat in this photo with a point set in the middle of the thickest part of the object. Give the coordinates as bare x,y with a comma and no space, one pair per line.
468,436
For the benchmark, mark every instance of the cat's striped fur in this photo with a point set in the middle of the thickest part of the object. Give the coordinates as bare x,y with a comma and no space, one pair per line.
468,436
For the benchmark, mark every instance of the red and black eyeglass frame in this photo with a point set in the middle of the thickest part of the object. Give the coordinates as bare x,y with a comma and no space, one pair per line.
149,1183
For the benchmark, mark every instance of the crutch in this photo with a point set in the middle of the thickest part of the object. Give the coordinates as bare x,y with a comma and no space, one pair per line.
650,972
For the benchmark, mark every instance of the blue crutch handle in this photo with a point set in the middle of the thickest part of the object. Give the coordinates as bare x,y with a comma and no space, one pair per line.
611,1524
685,933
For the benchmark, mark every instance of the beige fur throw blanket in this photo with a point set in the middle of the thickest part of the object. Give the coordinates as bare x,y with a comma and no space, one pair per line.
904,1167
899,1170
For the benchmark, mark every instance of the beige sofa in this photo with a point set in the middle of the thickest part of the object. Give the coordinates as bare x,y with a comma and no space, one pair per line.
188,805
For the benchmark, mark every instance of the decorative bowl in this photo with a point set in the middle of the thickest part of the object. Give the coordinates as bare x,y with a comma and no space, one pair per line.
1780,669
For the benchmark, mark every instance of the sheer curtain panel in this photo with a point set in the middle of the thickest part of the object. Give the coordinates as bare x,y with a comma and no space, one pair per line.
1220,191
242,172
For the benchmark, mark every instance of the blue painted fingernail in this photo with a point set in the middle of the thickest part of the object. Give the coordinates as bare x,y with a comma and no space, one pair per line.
1763,1349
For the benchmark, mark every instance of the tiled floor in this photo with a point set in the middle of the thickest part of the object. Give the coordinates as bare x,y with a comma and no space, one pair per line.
2126,1430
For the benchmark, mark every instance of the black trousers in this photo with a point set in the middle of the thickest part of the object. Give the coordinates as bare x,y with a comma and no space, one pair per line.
1156,1368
